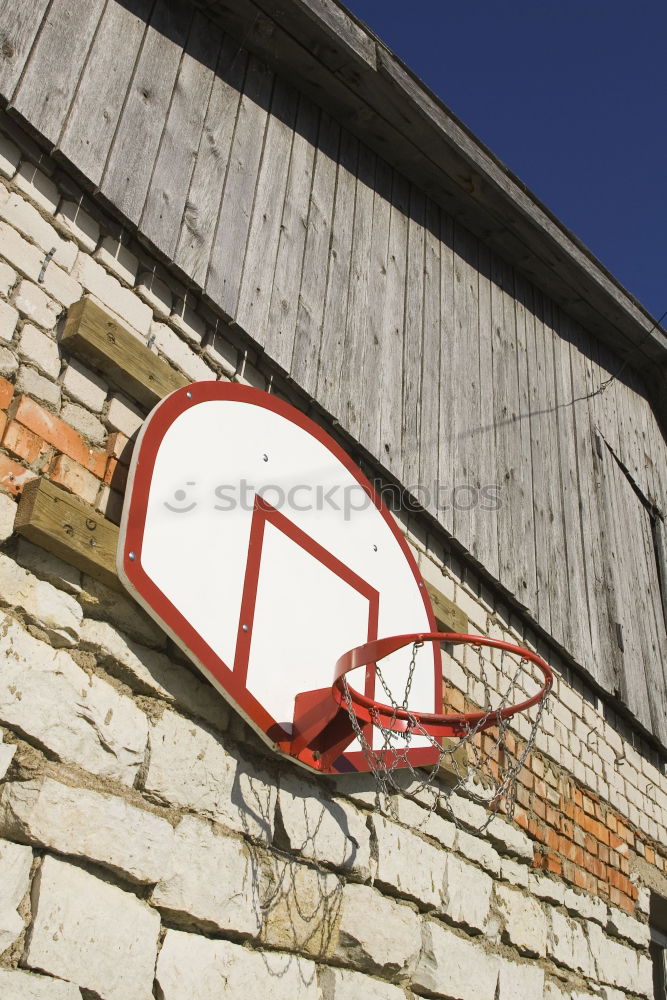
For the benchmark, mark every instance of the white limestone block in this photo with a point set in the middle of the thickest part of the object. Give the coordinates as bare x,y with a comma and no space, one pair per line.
218,350
514,872
80,718
343,984
122,415
9,317
408,863
17,985
108,289
581,904
510,839
167,342
568,945
190,966
84,422
15,863
88,824
623,925
523,920
151,672
7,751
615,963
190,768
467,896
8,362
39,350
377,934
518,980
478,849
188,322
92,933
332,832
23,216
301,906
7,516
33,303
57,613
29,260
33,384
209,880
427,821
453,966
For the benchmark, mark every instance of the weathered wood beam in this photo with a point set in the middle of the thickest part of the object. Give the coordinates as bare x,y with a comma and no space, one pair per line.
96,337
448,617
70,529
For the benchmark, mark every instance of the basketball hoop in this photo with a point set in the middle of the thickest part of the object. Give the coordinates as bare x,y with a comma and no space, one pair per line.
326,720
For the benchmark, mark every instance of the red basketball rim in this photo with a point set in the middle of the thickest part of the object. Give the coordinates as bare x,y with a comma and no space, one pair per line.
438,726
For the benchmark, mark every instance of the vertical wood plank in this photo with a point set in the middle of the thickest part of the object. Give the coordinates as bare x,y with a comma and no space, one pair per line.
603,664
447,425
351,386
369,388
538,424
235,213
210,171
391,348
97,105
332,346
467,419
20,22
525,485
167,193
314,275
135,146
512,533
578,611
656,661
553,556
262,247
55,64
429,395
413,335
622,568
649,455
610,609
484,546
284,304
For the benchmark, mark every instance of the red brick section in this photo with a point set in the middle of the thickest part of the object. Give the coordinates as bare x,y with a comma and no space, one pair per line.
13,476
59,434
49,446
576,835
22,443
6,393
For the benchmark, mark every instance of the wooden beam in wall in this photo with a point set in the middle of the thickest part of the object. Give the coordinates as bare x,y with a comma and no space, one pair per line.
94,336
448,617
70,529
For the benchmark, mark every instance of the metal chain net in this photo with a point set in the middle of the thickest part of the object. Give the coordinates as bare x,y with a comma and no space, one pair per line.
482,764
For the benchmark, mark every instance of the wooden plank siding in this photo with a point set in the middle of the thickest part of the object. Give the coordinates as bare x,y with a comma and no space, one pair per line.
457,375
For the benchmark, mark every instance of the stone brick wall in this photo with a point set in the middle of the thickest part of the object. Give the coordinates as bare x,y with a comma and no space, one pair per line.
150,846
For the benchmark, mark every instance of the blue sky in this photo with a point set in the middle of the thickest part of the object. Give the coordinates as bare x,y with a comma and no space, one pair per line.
572,96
